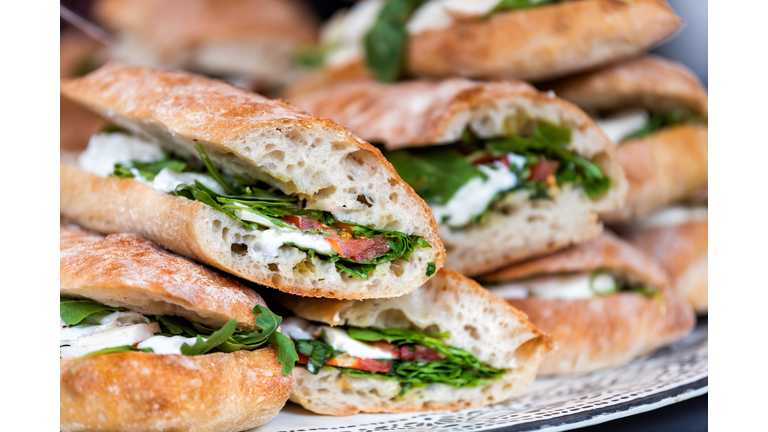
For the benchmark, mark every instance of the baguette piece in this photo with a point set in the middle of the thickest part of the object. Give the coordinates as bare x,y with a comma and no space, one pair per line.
544,42
146,391
479,322
602,331
254,40
682,248
671,163
257,139
430,113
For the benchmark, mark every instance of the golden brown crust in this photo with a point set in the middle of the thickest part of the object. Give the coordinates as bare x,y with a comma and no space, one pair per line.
605,332
178,25
661,168
144,391
415,113
121,268
682,250
603,252
649,82
316,80
544,42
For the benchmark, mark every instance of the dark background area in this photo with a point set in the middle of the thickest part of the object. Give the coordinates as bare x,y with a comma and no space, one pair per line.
690,47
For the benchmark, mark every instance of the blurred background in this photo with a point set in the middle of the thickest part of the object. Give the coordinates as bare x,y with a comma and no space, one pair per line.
689,46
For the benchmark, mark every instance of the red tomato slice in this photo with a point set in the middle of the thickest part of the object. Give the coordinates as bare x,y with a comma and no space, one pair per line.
543,169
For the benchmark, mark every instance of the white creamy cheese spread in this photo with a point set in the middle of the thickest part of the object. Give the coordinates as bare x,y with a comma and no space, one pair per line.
339,339
106,149
621,124
346,30
276,236
167,344
116,329
301,329
671,216
167,180
473,198
438,14
556,287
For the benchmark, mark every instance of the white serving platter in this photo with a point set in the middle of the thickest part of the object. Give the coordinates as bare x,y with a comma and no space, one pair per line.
672,374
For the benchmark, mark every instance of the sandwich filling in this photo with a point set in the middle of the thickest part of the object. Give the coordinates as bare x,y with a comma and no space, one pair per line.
624,125
410,358
88,328
282,220
464,181
572,286
378,30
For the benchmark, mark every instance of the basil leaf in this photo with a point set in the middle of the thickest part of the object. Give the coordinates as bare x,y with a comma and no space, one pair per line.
317,352
73,312
385,43
287,351
110,350
215,339
436,174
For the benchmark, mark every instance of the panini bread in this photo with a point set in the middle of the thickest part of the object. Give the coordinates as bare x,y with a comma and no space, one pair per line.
655,110
604,302
678,238
448,345
509,172
153,341
249,185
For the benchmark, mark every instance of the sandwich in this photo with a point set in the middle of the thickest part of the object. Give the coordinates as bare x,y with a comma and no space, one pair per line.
489,39
678,238
152,341
655,111
248,42
249,185
508,172
604,302
448,345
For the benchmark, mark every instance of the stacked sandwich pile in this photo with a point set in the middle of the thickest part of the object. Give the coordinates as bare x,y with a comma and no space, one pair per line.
419,161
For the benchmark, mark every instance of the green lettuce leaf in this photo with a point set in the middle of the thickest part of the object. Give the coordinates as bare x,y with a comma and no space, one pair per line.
73,311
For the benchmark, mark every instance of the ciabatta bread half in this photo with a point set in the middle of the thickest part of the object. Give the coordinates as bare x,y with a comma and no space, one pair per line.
607,331
430,113
479,322
147,391
257,139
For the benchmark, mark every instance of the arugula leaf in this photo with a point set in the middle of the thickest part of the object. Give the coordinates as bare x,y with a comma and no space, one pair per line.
431,268
314,58
318,353
214,340
73,311
215,174
110,350
109,128
385,43
287,351
658,120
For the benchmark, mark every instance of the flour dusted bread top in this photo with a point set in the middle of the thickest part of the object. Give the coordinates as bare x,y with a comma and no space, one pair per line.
426,113
252,137
124,270
477,320
606,252
648,82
